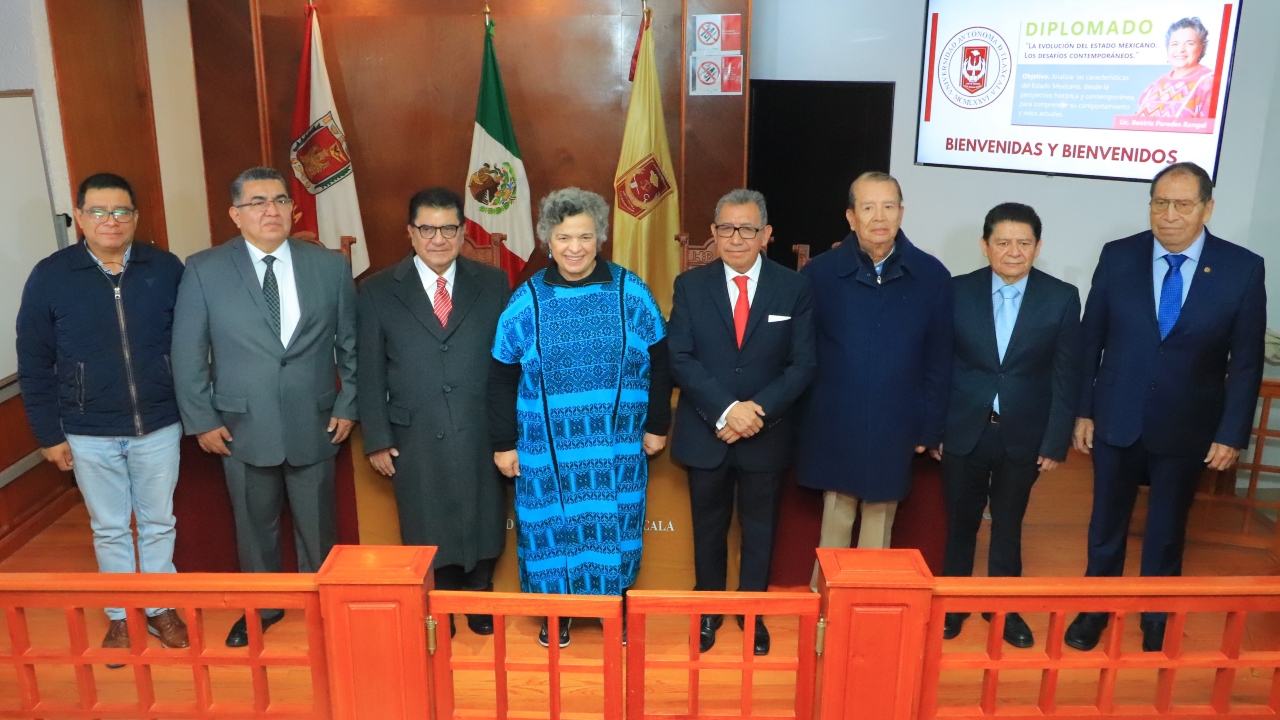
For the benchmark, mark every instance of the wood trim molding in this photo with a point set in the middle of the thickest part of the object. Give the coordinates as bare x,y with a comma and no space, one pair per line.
56,507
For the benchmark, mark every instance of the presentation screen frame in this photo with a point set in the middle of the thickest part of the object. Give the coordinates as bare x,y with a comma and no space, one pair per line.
928,55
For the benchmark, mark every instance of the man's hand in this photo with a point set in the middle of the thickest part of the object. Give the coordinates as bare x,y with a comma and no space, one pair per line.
508,462
381,461
215,441
937,454
59,455
342,426
727,434
746,418
653,444
1046,464
1221,457
1083,438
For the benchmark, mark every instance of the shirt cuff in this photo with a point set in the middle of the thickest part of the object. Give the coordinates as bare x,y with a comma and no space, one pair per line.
724,416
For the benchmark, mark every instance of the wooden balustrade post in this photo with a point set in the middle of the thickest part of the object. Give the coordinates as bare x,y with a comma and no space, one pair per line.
374,602
877,606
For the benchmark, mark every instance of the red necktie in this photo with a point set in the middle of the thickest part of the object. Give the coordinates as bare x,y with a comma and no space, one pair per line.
442,302
741,309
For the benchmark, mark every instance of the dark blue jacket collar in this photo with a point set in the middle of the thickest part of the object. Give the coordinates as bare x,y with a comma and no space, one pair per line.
852,260
141,252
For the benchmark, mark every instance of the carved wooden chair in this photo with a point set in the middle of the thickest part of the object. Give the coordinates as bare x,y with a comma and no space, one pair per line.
490,254
691,255
802,253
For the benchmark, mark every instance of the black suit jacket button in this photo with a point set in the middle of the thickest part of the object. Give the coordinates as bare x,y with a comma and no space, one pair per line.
439,436
738,370
448,389
283,363
444,348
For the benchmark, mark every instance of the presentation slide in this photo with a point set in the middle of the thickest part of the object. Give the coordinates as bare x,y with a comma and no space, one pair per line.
1113,89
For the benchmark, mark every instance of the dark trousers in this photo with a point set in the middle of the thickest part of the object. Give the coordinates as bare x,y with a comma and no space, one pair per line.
1117,472
454,577
969,481
711,494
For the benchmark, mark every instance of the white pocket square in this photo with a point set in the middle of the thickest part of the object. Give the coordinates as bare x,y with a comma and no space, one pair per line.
779,318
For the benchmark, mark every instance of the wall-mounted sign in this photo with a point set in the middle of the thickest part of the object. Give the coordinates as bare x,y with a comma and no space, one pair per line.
717,34
715,74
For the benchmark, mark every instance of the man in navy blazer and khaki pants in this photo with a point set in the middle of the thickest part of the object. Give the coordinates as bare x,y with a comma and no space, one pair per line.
1173,337
742,352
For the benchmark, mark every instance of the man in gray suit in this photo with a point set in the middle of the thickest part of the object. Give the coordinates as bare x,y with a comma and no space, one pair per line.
426,329
263,325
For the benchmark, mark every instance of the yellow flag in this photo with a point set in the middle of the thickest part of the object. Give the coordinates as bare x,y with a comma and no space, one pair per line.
646,213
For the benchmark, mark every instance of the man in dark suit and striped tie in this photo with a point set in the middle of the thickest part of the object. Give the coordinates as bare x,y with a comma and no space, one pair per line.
1173,334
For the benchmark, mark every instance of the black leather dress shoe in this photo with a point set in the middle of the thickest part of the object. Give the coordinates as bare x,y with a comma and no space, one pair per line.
952,624
1016,632
762,635
1152,635
480,624
239,635
544,636
1085,631
707,631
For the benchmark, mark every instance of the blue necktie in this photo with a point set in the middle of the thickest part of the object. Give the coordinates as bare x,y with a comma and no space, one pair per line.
1171,294
1006,316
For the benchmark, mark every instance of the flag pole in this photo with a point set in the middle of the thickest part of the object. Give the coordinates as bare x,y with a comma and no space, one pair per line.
486,15
260,82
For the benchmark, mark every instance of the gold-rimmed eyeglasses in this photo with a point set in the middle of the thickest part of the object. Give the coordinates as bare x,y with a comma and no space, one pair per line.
258,204
1184,207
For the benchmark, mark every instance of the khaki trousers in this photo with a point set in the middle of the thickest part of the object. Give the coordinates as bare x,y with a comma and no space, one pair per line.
839,511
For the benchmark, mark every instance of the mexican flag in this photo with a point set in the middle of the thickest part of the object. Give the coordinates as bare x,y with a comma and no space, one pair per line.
323,184
497,195
646,214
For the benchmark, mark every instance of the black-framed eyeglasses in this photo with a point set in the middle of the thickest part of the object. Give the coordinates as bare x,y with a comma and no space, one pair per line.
746,232
259,204
1184,207
121,214
448,232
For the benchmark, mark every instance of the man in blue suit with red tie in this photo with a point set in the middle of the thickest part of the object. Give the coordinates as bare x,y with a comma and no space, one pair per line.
1172,349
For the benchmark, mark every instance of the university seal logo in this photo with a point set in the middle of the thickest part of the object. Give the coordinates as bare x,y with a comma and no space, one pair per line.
494,187
319,157
974,67
642,187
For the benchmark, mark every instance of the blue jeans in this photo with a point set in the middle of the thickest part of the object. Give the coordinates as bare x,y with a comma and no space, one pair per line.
121,477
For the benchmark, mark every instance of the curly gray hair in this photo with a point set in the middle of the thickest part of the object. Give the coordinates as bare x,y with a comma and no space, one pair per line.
561,205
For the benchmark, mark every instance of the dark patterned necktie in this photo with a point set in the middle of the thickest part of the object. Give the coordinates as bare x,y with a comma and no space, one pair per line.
271,292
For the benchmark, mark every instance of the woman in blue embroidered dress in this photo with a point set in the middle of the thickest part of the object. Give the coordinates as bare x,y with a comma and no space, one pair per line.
580,350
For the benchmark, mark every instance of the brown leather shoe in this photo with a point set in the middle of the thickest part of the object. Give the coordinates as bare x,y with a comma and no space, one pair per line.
169,628
117,637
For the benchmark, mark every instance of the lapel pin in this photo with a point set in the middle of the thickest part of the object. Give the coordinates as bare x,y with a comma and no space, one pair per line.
1206,268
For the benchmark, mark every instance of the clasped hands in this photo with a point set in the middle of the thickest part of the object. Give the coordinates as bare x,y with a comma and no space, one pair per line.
508,461
744,419
215,441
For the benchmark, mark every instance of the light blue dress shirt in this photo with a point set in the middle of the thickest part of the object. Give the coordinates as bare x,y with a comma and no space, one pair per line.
880,265
1159,267
1003,334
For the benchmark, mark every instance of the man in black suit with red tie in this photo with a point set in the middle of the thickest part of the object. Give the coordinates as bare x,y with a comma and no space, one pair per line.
742,352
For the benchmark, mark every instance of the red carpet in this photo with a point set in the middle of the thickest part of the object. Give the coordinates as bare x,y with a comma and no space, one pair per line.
206,529
921,523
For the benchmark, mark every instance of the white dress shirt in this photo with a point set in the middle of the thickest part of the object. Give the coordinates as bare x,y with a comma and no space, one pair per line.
429,278
290,310
1160,267
753,281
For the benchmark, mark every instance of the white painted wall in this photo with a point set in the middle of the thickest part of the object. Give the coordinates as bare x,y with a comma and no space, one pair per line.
873,40
177,118
26,63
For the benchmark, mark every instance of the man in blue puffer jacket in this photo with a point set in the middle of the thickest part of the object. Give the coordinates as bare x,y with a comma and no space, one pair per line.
94,332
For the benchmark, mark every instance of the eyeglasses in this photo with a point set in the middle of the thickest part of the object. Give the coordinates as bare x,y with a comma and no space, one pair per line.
1184,207
448,232
260,204
746,232
122,215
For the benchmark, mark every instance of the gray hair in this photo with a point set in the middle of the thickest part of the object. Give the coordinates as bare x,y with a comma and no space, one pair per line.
251,175
1191,23
560,205
873,176
743,196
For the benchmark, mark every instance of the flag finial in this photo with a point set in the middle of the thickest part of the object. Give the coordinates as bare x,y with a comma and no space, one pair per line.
486,14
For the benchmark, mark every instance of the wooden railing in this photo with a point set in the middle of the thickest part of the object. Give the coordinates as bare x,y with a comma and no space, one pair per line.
375,644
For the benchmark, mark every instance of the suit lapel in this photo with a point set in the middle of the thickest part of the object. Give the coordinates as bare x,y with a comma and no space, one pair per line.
718,289
1026,311
410,292
986,310
1143,273
244,264
1202,285
766,287
466,288
306,284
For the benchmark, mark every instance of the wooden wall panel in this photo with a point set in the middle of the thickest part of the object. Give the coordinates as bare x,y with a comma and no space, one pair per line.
104,90
222,45
37,497
406,74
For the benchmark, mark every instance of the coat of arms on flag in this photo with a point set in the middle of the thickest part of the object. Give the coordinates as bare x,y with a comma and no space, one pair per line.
494,187
641,187
319,157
